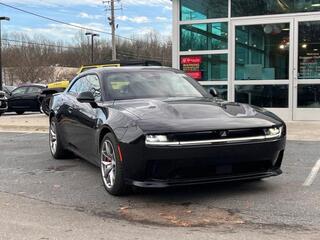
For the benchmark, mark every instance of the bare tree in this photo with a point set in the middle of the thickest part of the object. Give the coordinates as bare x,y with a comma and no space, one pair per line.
36,59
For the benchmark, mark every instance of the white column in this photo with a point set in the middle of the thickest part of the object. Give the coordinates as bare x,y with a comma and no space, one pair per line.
175,33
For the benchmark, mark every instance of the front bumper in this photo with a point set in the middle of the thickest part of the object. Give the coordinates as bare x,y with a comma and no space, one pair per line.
176,166
189,182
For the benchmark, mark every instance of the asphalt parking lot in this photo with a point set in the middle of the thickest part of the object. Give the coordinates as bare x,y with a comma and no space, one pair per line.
282,204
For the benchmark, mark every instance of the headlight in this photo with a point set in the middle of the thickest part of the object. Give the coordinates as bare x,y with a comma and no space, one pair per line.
156,138
273,132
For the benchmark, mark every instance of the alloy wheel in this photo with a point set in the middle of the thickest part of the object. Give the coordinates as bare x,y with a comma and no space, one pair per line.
53,137
108,164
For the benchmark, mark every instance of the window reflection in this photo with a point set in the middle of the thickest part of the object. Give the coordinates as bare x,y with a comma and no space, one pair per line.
212,36
309,50
262,52
267,7
309,96
221,89
271,96
206,67
203,9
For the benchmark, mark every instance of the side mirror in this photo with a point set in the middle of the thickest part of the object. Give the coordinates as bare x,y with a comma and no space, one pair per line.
213,92
87,97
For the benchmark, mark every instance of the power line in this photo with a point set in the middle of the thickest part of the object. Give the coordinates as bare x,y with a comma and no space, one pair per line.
121,52
66,23
38,44
62,22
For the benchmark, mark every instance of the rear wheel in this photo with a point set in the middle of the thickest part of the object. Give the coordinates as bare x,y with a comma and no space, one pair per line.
56,147
112,170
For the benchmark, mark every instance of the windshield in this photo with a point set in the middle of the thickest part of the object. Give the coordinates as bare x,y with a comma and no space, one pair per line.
151,84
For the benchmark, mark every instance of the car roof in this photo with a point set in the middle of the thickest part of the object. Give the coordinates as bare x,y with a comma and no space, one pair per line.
33,85
127,69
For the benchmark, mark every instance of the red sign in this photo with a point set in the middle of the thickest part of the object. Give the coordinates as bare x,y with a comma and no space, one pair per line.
195,75
191,60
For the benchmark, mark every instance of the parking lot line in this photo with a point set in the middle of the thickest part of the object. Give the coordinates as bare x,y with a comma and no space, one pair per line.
313,174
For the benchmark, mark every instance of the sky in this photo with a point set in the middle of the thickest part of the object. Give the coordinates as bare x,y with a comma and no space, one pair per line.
135,18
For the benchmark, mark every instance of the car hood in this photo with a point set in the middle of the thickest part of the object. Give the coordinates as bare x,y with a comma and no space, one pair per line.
186,115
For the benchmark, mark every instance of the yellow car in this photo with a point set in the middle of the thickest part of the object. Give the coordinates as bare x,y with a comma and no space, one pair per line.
62,84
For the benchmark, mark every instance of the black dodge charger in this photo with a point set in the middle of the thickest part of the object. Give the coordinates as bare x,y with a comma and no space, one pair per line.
156,127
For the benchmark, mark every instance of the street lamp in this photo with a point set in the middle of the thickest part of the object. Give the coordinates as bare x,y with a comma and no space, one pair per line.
1,19
93,35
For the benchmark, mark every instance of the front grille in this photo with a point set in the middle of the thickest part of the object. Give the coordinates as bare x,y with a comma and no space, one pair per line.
203,168
218,134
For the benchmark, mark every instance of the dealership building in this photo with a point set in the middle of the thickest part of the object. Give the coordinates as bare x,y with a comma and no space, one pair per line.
261,52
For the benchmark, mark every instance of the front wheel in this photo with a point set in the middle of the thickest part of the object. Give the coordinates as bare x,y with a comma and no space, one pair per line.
112,170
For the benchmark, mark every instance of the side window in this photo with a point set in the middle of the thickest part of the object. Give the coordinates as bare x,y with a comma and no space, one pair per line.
94,86
88,83
76,88
21,90
34,90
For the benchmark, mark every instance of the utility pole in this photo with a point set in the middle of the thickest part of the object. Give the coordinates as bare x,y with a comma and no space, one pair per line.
114,26
93,35
1,19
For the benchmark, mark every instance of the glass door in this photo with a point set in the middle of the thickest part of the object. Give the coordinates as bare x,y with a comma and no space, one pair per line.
306,80
263,64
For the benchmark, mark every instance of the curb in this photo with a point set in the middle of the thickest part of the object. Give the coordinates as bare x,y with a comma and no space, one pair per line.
16,128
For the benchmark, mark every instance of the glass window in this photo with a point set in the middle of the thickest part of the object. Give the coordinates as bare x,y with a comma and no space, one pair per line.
262,52
151,84
211,36
203,9
221,89
309,96
309,50
76,87
270,96
20,90
92,84
206,67
267,7
34,90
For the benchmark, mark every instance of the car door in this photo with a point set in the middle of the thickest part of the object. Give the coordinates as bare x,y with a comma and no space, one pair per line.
85,118
16,100
68,120
31,98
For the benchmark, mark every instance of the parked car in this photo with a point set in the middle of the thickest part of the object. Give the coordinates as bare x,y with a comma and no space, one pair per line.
3,103
157,127
25,98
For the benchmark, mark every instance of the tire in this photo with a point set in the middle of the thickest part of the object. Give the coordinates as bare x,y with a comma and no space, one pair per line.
56,147
112,169
19,112
45,105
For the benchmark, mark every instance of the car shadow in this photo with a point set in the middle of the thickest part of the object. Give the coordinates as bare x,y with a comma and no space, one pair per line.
194,194
198,193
